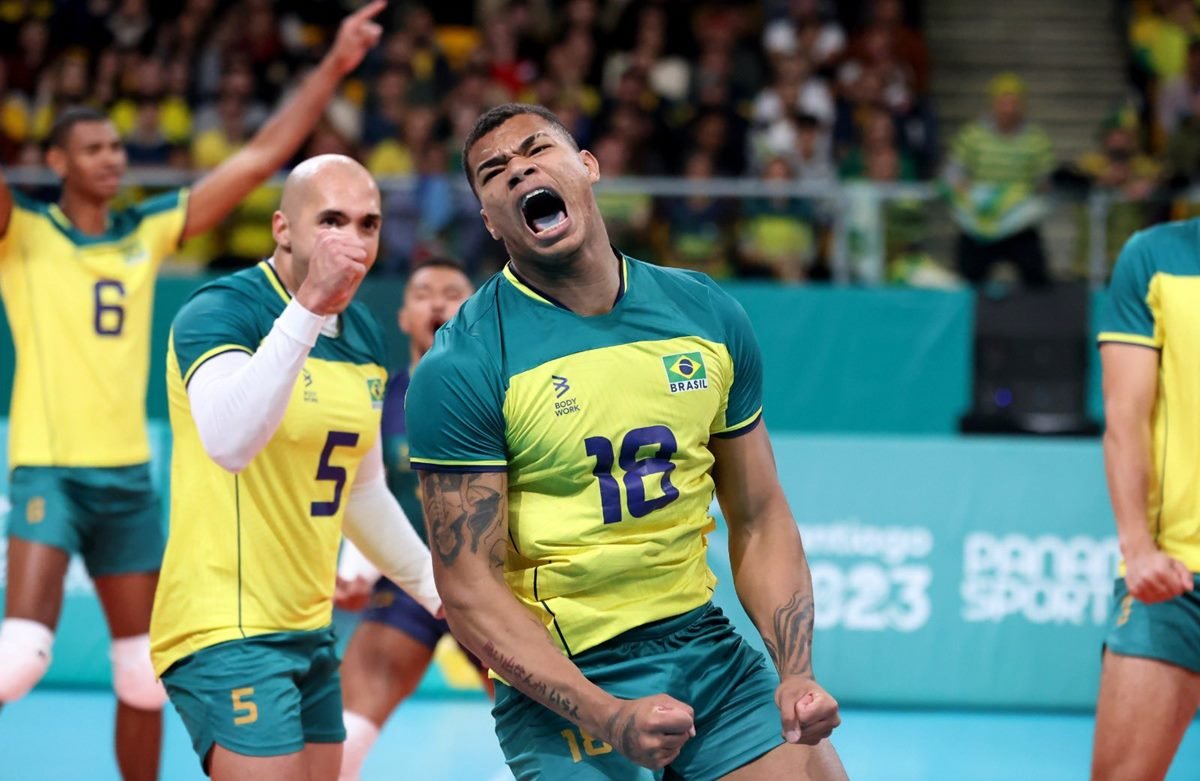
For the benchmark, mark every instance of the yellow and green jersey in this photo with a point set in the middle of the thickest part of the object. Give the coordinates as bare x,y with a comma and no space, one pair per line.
79,307
256,552
1154,302
602,425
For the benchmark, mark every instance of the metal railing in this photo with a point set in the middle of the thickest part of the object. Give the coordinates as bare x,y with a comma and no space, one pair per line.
833,198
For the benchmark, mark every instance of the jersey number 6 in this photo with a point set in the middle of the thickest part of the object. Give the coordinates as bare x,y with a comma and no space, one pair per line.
636,470
110,315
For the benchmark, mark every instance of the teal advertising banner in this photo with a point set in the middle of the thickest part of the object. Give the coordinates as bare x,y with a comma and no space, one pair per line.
947,571
835,359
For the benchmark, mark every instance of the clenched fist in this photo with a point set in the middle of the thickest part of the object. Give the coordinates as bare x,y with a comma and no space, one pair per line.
335,270
1153,576
806,710
650,731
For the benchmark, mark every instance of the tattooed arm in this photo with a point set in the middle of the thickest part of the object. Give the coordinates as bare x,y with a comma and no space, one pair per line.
467,514
772,579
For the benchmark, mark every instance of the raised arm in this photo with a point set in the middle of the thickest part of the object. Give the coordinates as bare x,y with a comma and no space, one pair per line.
467,514
1130,390
218,192
771,576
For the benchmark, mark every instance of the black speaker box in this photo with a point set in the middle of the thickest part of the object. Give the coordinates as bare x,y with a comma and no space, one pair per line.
1030,372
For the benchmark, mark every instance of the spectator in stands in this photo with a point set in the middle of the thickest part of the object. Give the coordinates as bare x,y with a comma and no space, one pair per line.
131,24
794,89
1183,146
245,236
385,105
878,146
1122,168
997,172
14,119
808,30
29,59
1175,96
697,231
907,43
717,134
65,84
153,123
668,75
626,214
1161,39
777,235
803,142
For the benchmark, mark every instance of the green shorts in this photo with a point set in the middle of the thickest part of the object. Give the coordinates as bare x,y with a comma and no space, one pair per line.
696,658
264,696
110,515
1166,631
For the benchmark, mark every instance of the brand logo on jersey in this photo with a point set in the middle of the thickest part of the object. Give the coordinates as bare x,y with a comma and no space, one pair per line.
134,253
685,372
309,394
375,388
562,406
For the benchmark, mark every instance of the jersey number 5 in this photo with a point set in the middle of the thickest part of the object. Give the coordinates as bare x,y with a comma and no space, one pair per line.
327,471
636,470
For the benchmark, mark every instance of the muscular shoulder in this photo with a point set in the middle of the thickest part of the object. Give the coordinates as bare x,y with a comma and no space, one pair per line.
709,308
1169,248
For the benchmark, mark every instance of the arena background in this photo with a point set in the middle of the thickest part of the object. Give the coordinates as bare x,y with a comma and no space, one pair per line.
961,579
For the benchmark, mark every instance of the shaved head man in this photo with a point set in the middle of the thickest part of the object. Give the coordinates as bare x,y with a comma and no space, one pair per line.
276,384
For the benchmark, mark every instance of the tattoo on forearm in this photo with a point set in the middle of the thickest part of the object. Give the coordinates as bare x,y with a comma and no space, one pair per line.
790,641
622,734
457,505
516,674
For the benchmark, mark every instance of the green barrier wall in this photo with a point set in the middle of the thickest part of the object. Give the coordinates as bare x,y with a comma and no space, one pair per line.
970,572
836,360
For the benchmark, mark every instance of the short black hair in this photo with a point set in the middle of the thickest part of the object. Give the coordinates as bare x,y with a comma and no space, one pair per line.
67,119
441,261
497,116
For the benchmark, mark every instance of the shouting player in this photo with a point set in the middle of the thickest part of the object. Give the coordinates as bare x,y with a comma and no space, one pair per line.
276,385
391,649
77,281
571,424
1150,684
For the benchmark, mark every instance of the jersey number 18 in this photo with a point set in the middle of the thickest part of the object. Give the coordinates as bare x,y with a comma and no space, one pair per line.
636,469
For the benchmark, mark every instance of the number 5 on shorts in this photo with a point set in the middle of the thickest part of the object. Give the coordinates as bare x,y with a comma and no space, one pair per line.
245,711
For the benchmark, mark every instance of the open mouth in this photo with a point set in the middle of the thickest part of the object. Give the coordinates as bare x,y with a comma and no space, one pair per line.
543,210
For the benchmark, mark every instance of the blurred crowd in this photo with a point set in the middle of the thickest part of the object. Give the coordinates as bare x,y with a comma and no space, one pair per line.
781,90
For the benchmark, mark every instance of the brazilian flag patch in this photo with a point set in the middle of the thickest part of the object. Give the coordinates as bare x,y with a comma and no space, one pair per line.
375,388
685,372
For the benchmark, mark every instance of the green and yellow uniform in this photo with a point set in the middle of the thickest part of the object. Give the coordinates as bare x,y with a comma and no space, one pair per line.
79,306
602,425
247,580
1154,302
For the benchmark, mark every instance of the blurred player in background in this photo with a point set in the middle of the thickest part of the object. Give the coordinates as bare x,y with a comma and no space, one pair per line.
392,648
77,281
1150,350
571,424
276,384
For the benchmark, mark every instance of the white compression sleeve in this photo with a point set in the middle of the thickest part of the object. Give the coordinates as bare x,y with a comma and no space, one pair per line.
377,525
238,400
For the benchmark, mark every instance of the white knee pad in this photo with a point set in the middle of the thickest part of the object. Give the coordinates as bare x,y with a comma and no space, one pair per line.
24,656
133,674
